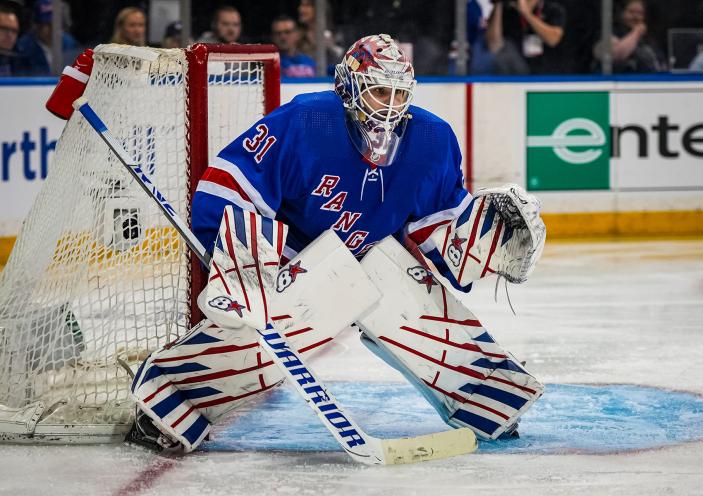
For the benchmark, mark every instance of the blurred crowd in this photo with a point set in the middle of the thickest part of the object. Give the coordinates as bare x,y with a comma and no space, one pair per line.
505,37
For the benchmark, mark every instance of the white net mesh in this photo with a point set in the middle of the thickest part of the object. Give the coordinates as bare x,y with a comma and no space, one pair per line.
232,84
98,278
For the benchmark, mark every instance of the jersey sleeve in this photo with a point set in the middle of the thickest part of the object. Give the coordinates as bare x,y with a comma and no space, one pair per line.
252,172
441,199
441,196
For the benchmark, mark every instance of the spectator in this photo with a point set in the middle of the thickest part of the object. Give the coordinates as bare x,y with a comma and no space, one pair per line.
481,58
226,26
34,47
306,20
524,36
172,35
9,29
307,44
633,50
286,36
130,27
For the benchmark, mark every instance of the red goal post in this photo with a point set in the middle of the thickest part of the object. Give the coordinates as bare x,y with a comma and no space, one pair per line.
198,56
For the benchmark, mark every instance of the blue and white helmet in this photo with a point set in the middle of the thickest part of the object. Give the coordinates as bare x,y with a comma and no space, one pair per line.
376,81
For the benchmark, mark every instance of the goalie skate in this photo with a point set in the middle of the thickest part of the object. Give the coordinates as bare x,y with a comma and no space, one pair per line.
144,433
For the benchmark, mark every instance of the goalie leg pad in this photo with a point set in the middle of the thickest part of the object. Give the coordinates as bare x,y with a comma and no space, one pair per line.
212,370
429,335
189,384
387,356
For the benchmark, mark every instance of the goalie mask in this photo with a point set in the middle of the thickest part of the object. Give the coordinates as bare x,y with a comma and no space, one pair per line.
375,81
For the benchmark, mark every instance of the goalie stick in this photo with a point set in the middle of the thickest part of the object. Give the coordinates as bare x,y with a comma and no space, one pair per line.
361,446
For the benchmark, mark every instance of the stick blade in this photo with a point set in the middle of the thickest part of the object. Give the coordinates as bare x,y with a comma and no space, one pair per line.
429,447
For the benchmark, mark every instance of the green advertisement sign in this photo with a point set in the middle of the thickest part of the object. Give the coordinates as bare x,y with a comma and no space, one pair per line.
568,140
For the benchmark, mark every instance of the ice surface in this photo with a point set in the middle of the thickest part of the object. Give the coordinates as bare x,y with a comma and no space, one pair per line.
595,314
567,419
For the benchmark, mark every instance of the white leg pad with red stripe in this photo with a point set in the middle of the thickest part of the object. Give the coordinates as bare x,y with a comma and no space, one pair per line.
499,232
243,269
440,346
190,383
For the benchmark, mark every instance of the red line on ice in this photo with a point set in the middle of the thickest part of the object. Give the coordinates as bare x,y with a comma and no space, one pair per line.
147,477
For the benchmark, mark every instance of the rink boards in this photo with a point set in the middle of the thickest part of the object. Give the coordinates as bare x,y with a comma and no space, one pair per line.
606,157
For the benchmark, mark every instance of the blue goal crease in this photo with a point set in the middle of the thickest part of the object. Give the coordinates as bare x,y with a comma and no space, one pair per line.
615,419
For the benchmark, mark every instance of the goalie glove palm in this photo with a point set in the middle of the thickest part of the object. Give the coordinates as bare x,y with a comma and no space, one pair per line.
519,211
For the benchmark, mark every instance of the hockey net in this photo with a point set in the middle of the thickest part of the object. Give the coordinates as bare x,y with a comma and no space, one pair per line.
97,278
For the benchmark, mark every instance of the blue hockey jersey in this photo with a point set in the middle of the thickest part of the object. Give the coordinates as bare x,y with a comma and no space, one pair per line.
298,165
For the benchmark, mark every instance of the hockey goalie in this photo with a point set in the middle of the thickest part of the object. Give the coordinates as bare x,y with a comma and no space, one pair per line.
343,207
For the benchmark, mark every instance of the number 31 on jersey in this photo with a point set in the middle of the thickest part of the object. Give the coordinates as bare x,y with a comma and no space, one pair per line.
260,144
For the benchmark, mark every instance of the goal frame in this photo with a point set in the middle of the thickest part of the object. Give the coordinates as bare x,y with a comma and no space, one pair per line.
197,101
25,424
